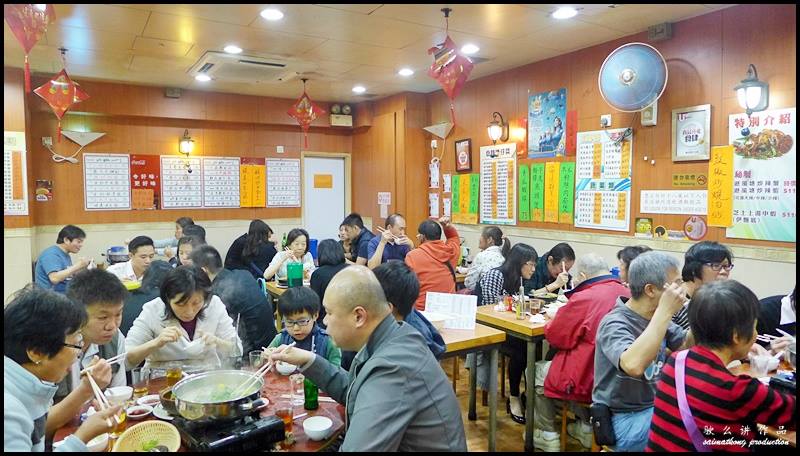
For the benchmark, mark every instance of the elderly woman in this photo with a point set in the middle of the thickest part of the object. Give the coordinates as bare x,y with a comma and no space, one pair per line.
296,251
717,410
170,326
41,340
704,262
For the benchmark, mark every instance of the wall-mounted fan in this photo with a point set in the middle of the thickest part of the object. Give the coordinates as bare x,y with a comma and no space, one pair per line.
632,77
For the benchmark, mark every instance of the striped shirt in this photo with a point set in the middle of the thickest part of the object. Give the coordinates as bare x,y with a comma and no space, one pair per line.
681,317
725,407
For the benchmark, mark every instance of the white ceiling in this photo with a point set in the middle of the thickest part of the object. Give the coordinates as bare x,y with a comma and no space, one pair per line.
349,44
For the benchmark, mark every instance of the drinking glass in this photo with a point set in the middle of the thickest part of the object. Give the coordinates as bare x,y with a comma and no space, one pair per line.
256,359
174,374
140,379
295,381
284,410
759,365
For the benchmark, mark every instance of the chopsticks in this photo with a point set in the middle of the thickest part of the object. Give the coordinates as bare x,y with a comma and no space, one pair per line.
766,337
113,360
784,333
384,229
258,374
102,400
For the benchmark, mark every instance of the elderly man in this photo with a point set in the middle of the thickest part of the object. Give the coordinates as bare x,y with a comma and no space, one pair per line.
572,332
397,398
632,343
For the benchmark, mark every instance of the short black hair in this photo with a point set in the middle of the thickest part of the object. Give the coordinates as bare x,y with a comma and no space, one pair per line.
206,256
183,222
296,233
70,232
400,285
39,320
353,219
95,286
560,252
140,241
392,220
700,253
185,280
195,230
627,254
330,252
721,309
430,230
154,275
298,299
192,239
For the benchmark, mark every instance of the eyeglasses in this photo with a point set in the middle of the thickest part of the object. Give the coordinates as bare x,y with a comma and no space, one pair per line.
302,323
717,266
78,345
530,263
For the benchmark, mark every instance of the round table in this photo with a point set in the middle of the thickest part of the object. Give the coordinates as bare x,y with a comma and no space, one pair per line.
275,385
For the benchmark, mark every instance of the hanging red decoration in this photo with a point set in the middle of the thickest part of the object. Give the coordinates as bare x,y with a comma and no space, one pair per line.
304,111
61,92
28,23
450,67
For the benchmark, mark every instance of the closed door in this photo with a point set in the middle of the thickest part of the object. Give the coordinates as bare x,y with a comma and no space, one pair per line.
323,196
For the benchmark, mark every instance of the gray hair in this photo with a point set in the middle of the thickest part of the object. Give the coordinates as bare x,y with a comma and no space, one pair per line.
652,268
590,264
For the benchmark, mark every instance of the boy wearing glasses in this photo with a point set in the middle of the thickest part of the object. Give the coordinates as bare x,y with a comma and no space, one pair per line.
704,262
299,308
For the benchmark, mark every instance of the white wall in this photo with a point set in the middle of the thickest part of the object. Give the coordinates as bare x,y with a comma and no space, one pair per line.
766,271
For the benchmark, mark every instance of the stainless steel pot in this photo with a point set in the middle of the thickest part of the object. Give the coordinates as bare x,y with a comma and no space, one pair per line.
192,407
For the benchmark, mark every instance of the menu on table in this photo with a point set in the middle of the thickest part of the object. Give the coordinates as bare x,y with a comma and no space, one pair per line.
221,182
106,181
179,187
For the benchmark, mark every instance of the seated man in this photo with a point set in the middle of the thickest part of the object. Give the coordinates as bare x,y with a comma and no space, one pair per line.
632,343
195,230
241,295
359,238
54,267
570,375
392,244
141,251
434,260
396,396
778,312
401,287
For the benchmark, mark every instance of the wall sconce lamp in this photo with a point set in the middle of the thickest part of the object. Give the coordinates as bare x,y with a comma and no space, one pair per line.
498,129
187,144
752,94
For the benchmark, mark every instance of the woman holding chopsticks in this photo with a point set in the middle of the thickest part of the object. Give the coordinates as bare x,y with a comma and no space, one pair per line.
41,340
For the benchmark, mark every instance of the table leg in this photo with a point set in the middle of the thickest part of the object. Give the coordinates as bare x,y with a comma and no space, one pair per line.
530,393
473,380
492,398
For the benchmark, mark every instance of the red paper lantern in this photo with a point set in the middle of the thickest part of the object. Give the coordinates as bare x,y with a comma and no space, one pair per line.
61,92
304,111
451,69
28,24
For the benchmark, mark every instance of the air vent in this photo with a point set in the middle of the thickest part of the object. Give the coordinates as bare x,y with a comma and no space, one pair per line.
249,69
476,60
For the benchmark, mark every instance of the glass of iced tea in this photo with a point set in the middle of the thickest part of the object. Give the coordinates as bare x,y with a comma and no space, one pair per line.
174,374
120,427
284,410
140,377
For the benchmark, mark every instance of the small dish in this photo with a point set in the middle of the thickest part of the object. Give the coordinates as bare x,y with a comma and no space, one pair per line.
285,368
151,399
161,413
317,427
138,412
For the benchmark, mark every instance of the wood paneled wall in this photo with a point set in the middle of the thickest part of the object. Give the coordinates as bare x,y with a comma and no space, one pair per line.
707,56
15,119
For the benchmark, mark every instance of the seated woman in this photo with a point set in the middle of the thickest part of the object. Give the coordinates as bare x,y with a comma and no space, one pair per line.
331,261
186,311
252,251
150,289
720,408
625,256
41,340
704,262
494,249
296,251
551,270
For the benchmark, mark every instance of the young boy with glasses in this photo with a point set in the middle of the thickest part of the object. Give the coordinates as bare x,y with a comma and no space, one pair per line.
299,308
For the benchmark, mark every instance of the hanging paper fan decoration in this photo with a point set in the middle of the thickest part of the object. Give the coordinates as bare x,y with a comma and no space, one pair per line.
28,23
304,111
61,92
450,68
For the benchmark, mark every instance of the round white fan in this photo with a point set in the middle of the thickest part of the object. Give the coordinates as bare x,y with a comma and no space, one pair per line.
632,77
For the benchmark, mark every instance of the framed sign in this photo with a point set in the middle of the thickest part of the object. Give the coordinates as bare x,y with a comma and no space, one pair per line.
691,133
464,155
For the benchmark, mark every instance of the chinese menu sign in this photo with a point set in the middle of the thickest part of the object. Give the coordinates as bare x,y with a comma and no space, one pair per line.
603,180
765,176
15,179
566,192
180,188
524,193
720,188
106,179
551,180
537,192
220,182
145,181
689,202
465,193
283,182
252,182
498,186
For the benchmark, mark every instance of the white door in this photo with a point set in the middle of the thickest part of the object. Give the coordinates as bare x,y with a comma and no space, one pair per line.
323,196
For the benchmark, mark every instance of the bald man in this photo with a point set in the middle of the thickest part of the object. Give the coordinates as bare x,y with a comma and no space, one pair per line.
396,395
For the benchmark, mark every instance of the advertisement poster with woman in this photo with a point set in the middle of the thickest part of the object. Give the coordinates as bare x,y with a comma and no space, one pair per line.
547,117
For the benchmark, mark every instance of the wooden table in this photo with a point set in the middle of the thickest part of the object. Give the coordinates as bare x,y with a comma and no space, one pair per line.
275,386
532,334
462,341
789,436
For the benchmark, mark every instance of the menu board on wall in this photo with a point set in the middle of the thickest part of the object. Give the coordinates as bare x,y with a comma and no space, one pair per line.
498,184
106,182
145,182
180,188
252,182
603,180
283,182
465,193
15,176
765,175
220,182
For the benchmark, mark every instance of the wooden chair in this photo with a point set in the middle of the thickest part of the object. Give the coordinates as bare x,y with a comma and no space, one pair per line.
565,414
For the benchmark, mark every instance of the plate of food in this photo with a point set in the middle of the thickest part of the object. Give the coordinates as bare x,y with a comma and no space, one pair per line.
545,296
150,399
769,143
161,413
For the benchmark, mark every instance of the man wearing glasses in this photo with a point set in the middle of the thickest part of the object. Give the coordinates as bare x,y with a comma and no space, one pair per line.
704,262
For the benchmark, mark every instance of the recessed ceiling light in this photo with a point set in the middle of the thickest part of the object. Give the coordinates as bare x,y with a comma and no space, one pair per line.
405,72
271,14
40,6
202,77
232,49
469,48
359,89
565,12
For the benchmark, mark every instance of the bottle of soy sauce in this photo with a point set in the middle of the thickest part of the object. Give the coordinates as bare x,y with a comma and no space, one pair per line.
311,393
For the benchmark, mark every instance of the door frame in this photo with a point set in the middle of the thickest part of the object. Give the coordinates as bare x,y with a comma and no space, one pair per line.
347,178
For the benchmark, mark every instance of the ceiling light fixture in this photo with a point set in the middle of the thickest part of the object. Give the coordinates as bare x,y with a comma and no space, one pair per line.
40,6
359,89
469,49
271,14
232,49
202,77
405,72
565,12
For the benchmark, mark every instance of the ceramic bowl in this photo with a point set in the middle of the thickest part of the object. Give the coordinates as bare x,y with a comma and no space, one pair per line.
317,427
285,368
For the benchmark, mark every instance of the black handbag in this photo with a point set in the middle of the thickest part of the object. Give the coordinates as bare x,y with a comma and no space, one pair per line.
603,429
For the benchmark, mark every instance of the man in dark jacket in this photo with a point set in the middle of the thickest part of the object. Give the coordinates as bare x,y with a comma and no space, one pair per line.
242,296
359,238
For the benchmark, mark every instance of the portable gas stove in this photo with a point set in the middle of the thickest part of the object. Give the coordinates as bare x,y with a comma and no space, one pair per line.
250,433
